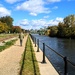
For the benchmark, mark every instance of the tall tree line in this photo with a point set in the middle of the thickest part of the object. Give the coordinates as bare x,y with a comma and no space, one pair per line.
65,29
6,25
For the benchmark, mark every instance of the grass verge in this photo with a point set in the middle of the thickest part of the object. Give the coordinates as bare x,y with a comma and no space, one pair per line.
7,44
29,62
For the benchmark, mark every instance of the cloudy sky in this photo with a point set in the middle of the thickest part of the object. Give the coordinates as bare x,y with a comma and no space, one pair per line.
35,14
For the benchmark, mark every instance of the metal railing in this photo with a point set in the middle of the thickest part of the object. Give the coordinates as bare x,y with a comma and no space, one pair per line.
65,59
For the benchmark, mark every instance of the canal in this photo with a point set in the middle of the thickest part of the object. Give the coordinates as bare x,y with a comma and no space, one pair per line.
65,47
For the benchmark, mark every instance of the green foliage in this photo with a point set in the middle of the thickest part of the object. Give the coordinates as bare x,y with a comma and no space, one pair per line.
73,32
7,44
8,20
29,60
61,30
6,24
69,20
10,43
16,29
3,27
66,29
53,31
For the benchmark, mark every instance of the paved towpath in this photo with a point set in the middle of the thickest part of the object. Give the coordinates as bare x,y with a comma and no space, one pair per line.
45,68
10,59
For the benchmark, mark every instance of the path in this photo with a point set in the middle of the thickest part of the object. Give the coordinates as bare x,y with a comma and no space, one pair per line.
10,59
45,68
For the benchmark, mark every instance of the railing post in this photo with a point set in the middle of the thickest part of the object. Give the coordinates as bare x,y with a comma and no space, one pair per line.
43,53
65,65
37,45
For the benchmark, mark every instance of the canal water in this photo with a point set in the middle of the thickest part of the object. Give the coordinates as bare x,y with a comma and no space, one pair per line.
65,47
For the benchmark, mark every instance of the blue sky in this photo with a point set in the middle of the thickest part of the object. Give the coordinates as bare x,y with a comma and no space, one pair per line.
36,14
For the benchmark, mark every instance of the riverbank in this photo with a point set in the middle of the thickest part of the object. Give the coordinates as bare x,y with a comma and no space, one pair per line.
45,68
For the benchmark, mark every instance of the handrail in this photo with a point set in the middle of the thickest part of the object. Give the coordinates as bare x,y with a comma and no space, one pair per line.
58,54
64,58
71,62
55,52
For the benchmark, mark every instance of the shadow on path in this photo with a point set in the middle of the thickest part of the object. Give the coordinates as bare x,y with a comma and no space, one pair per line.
32,58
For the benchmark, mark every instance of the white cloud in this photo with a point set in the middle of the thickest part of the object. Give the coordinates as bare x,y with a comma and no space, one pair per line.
4,11
45,17
12,1
34,14
35,7
59,19
52,1
40,22
37,24
55,22
55,7
23,22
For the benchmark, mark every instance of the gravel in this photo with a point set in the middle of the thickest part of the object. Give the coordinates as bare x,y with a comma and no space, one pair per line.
10,59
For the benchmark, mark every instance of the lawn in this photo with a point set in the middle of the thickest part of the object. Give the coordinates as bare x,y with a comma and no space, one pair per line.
6,36
29,64
7,44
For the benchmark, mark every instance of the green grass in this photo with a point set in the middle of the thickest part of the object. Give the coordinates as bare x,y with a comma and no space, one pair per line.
29,62
7,35
7,44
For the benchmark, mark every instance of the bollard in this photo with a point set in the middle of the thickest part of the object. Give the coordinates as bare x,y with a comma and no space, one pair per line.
43,53
37,45
65,65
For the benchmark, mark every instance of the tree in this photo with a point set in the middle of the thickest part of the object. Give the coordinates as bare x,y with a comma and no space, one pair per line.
53,31
73,32
47,32
64,31
3,27
60,30
8,20
16,29
69,21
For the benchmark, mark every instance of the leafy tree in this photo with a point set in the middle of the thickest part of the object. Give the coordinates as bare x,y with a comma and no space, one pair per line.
47,32
60,30
66,29
8,20
73,32
6,28
53,31
16,29
63,31
69,21
23,30
3,27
